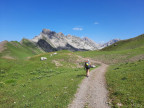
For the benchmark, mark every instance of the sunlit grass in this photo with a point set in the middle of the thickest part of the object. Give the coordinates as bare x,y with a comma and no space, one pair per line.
35,83
126,84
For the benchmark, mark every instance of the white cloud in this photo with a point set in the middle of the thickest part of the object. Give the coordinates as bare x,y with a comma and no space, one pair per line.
96,23
78,28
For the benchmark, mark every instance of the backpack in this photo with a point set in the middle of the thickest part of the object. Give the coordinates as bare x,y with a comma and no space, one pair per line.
87,65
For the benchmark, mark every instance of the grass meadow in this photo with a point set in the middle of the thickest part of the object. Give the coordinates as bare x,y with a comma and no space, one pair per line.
126,84
125,76
33,83
25,81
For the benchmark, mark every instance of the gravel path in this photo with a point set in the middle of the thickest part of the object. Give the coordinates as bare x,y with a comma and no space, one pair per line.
92,92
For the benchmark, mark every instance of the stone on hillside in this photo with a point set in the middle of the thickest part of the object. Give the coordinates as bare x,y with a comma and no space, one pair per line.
54,53
43,58
93,66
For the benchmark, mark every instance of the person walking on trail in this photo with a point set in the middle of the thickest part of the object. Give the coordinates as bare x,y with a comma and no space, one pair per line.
87,67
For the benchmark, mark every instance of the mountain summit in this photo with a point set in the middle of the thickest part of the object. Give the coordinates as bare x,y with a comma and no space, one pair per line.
108,43
50,41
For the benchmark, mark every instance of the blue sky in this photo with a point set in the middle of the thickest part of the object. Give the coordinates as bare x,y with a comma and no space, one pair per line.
100,20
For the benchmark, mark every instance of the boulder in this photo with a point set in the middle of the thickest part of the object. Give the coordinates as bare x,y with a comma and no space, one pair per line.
93,66
43,58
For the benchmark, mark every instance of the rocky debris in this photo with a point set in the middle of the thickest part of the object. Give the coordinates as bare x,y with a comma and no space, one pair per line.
53,54
43,58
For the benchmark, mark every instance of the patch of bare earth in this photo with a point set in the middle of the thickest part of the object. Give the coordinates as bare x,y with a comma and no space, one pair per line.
92,92
8,57
136,58
57,63
2,46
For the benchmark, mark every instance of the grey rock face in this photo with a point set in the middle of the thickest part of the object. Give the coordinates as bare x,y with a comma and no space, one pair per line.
45,46
91,42
51,41
109,43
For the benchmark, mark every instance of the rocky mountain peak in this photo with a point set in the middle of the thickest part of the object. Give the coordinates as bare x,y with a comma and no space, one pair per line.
60,34
58,41
86,38
109,43
46,31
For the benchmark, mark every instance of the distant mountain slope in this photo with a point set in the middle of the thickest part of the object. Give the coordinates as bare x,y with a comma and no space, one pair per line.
47,41
132,43
58,41
108,43
20,50
91,42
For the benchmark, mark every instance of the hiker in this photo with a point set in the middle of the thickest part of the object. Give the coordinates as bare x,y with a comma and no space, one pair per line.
87,67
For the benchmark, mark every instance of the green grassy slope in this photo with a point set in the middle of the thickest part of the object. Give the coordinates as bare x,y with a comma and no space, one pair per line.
126,84
125,76
113,57
16,50
132,43
33,83
52,83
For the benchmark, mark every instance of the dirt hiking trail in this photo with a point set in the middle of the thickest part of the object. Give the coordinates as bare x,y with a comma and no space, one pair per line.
92,92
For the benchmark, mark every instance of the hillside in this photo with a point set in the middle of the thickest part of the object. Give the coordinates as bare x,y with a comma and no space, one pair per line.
25,81
47,41
16,50
125,75
137,42
33,83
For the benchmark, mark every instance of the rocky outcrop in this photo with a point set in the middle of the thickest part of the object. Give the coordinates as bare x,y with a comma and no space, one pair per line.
91,42
45,46
108,43
52,41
